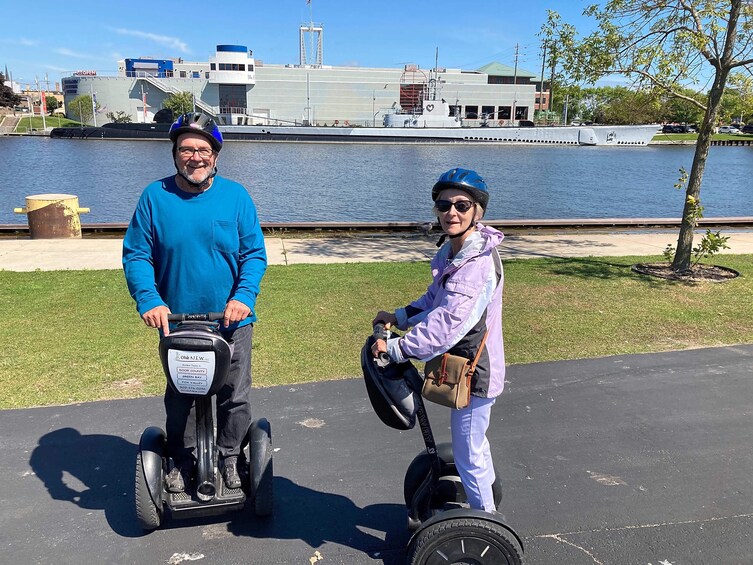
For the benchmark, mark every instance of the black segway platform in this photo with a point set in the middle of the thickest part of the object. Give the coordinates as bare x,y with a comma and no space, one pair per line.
196,360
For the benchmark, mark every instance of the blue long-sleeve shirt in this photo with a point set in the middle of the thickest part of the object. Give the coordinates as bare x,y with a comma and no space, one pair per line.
194,252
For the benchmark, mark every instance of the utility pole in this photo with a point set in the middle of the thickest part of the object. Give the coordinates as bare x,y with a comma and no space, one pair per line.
42,104
94,103
551,87
541,88
143,100
515,85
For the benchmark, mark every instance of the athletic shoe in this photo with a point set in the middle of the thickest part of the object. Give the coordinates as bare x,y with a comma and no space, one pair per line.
177,479
230,472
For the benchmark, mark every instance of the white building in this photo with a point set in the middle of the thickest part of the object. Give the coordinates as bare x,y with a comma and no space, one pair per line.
237,89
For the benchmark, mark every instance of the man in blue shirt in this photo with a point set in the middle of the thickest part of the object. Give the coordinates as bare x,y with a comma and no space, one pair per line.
194,244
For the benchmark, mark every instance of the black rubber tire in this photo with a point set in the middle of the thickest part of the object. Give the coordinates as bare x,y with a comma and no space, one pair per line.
149,516
466,541
261,467
264,499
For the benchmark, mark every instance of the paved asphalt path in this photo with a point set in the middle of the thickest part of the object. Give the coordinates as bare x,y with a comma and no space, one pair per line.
641,459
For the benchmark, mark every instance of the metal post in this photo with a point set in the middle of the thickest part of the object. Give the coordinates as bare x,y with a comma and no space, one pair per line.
541,88
514,83
94,104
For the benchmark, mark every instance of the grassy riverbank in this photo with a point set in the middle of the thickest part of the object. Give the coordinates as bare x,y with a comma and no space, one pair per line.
74,336
35,123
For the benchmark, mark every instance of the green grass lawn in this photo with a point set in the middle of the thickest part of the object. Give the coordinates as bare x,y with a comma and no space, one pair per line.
74,336
35,123
694,136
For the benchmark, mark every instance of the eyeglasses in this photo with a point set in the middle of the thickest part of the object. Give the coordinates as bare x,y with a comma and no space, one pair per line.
204,152
462,206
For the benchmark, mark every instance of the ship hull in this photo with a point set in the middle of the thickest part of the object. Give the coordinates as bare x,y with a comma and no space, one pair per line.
554,135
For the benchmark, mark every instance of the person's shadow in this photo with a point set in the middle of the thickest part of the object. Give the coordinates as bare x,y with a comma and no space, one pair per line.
317,517
97,472
92,471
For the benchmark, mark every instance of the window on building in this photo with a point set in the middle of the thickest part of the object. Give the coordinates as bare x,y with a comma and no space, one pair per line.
521,112
251,68
182,74
503,112
232,98
471,112
488,111
499,80
212,67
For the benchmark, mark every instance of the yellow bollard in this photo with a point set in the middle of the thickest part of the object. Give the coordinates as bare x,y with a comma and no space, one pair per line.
53,216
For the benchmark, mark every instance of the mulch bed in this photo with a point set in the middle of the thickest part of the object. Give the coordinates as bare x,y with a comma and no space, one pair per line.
698,273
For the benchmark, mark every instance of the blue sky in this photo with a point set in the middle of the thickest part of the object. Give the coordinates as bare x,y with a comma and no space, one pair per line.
93,35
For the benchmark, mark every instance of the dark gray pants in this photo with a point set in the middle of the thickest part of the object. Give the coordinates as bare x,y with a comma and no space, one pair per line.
233,406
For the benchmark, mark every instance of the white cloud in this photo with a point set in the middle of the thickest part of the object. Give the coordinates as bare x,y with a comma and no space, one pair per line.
172,42
21,41
70,53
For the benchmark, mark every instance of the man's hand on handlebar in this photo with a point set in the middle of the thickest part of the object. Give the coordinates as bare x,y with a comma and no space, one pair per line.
157,318
235,311
387,318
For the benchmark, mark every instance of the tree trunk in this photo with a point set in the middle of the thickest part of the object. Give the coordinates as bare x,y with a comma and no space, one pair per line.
693,192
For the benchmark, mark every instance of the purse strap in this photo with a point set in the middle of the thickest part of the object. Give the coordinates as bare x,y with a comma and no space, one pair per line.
478,353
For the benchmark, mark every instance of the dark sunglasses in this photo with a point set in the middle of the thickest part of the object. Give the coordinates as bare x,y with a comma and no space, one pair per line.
461,206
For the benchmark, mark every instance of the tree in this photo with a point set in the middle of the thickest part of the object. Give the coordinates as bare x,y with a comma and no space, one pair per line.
680,110
179,103
120,118
8,98
664,45
81,108
51,104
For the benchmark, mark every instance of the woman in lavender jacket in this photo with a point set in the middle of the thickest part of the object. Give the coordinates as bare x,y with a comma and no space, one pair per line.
462,303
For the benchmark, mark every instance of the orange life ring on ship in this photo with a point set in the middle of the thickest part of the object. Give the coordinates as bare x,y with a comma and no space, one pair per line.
501,123
346,123
337,122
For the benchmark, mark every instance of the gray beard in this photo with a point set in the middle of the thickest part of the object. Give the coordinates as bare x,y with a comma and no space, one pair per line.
196,180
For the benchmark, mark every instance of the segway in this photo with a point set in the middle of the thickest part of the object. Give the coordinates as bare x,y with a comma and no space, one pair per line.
446,529
196,360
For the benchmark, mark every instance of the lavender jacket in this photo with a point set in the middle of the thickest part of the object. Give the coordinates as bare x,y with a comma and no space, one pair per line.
462,302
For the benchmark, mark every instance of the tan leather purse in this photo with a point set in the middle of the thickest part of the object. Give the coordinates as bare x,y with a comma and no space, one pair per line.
448,379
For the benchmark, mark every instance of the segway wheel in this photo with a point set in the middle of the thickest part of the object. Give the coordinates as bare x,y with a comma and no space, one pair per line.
261,467
467,541
149,516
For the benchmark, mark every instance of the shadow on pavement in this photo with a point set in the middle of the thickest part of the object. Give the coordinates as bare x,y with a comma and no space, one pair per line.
95,472
317,517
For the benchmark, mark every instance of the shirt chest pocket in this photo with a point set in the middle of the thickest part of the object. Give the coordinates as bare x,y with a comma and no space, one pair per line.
225,236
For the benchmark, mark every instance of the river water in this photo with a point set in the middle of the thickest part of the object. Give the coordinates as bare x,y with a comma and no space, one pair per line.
293,182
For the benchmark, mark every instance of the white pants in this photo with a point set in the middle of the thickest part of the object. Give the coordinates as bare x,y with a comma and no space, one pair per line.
470,448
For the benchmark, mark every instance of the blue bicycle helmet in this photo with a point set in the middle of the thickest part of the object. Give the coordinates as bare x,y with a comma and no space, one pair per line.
197,122
462,179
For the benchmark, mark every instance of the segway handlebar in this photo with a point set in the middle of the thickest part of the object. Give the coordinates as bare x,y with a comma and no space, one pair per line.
383,359
206,317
